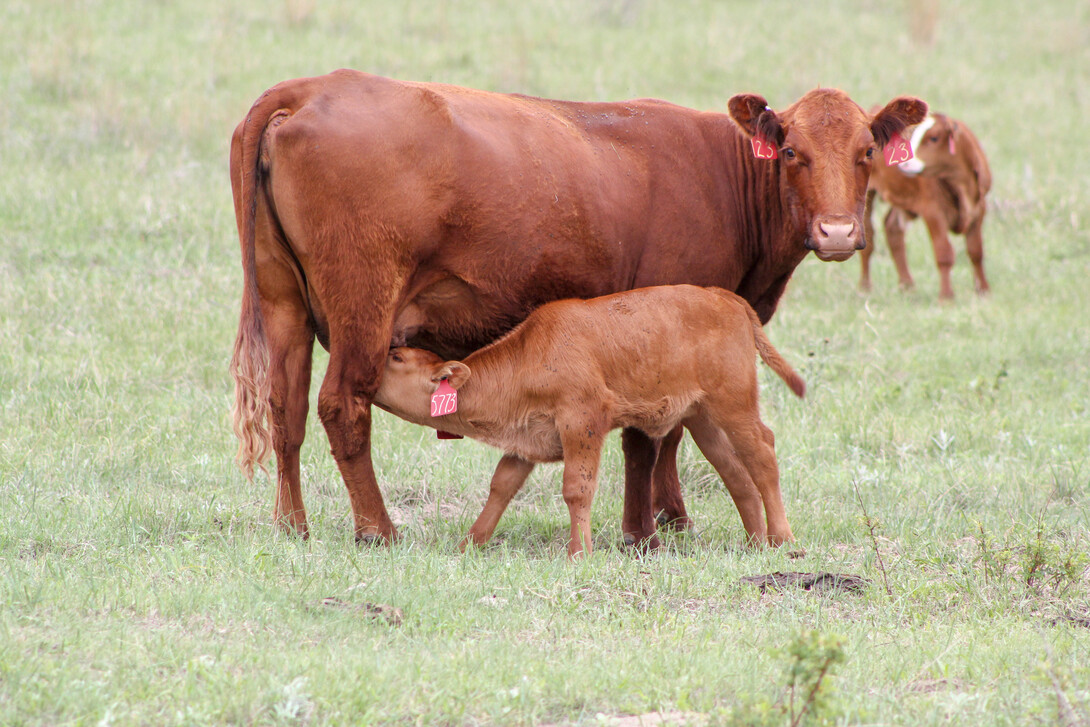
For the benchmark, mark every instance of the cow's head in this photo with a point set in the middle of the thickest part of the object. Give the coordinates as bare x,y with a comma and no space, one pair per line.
934,146
825,146
411,377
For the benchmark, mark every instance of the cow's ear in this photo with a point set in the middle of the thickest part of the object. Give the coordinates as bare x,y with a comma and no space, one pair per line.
900,112
754,117
455,372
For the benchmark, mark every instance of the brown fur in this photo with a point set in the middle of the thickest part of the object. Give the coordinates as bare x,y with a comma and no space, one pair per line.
649,359
373,211
949,194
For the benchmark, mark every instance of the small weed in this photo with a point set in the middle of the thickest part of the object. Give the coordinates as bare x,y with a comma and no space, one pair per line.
813,656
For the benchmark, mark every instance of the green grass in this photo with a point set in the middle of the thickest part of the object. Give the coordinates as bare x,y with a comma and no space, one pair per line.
944,447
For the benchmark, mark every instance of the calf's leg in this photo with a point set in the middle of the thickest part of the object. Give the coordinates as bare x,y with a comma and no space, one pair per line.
869,242
974,245
716,447
895,223
582,444
944,253
507,480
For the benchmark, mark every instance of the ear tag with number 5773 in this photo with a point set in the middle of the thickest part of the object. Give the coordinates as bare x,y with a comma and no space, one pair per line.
897,151
445,400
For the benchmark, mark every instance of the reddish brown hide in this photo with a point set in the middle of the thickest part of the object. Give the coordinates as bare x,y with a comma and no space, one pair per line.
946,185
374,212
649,359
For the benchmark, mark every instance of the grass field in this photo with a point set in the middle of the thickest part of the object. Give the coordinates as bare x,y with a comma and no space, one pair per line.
942,453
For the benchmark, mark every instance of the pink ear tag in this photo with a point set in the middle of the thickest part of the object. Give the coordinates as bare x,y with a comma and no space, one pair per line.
953,149
445,400
897,151
763,149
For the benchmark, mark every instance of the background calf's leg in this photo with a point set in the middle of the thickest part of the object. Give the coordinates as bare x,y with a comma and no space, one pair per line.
895,223
974,245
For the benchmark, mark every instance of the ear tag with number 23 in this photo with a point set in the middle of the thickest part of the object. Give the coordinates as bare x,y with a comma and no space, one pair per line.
897,151
444,401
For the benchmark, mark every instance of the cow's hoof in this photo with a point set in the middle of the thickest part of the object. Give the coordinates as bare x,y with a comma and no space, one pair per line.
674,523
641,546
370,539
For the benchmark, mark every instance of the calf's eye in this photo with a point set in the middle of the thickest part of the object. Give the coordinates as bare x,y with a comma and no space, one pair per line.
788,153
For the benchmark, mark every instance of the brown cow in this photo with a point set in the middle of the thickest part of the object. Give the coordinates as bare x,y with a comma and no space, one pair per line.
372,211
945,184
647,359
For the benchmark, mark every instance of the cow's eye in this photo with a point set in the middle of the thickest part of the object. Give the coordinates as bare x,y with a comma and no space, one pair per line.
870,153
789,153
934,138
397,357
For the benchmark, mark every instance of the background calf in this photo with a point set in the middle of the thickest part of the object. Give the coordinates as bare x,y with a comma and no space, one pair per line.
649,359
945,184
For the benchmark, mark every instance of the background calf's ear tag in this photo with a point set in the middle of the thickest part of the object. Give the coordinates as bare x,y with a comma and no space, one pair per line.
762,149
445,400
897,151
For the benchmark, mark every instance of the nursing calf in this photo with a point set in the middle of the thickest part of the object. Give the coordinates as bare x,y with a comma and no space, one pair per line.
945,184
648,359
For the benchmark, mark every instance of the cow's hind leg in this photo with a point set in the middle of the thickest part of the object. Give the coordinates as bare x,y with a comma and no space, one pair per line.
507,480
291,344
667,503
637,520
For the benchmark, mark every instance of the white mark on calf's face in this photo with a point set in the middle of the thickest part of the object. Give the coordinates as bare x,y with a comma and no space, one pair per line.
914,165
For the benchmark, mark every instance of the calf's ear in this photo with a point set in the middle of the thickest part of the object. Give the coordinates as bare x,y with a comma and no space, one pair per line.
900,112
455,372
754,117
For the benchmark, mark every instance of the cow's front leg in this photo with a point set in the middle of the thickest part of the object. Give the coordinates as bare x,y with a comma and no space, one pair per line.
666,501
638,519
344,406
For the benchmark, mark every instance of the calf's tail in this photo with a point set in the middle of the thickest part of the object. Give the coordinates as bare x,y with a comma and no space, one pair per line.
773,358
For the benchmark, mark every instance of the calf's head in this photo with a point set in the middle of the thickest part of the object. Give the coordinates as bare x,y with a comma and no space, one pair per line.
409,379
825,147
934,146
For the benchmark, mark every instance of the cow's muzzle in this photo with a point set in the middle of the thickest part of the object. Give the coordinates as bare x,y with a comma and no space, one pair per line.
835,240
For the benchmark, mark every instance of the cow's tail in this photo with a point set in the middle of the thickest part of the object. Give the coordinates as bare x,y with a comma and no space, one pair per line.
250,362
772,357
